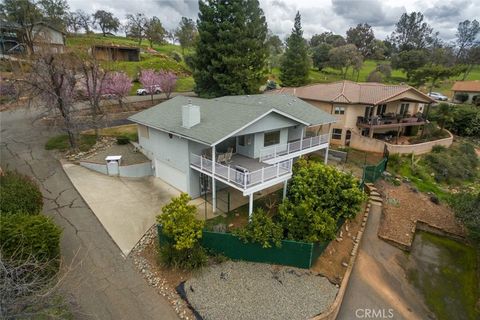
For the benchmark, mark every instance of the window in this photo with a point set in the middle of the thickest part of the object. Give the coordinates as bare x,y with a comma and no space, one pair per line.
271,138
381,108
339,110
368,112
241,141
337,134
404,109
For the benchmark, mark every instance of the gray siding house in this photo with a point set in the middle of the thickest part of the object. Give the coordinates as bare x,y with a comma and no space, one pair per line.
245,142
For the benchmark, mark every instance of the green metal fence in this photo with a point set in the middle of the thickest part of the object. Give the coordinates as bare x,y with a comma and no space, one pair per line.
291,253
373,172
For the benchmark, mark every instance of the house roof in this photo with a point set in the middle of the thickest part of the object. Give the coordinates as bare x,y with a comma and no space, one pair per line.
15,26
223,117
468,86
353,92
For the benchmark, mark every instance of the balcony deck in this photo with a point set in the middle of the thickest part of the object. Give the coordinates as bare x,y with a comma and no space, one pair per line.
293,149
243,173
390,123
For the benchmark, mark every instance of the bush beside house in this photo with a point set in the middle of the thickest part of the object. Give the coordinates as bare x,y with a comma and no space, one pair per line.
183,232
319,197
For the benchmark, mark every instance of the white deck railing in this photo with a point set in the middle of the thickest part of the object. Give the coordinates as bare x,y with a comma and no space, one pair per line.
292,147
241,179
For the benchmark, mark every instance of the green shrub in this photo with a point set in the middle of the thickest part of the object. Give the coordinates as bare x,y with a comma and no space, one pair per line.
301,222
467,209
24,236
183,231
261,229
462,97
318,196
122,140
19,194
187,259
176,56
439,148
455,164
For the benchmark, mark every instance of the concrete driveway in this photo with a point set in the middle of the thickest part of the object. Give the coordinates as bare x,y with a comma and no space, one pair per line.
126,207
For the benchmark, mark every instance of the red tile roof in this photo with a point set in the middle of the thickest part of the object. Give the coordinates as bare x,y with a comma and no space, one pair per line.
351,92
467,86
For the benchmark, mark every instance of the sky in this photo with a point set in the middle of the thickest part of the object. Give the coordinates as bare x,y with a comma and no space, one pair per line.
317,15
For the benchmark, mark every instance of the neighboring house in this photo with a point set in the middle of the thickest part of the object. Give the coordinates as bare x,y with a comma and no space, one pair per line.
115,53
369,109
253,140
465,91
44,36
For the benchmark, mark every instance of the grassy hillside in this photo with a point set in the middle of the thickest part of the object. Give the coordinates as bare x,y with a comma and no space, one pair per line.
398,76
162,60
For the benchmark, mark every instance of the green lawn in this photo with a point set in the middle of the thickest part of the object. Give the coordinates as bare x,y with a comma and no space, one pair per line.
61,143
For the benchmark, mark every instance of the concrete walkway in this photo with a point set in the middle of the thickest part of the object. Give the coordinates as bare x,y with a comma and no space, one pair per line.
378,282
126,207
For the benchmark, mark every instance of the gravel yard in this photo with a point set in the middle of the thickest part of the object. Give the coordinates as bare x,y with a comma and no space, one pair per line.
242,290
126,151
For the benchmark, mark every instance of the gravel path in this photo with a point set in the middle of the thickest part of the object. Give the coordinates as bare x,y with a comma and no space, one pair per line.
242,290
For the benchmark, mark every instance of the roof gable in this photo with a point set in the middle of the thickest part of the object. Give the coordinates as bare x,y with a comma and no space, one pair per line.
223,117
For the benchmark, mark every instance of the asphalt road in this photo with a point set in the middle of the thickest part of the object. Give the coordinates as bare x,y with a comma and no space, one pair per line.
102,283
378,286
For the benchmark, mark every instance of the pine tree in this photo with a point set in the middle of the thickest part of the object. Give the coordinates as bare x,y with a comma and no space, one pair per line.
295,64
231,54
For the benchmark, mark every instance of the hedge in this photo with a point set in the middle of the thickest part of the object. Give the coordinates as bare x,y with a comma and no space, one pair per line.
19,194
23,236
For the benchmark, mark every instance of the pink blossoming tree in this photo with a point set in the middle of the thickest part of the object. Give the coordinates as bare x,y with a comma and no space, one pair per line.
117,84
168,81
150,80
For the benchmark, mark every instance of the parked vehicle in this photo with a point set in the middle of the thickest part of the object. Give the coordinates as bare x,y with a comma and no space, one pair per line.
438,96
145,91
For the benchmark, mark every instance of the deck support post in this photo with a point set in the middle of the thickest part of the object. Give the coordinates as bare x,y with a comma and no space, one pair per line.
214,191
326,155
250,207
285,189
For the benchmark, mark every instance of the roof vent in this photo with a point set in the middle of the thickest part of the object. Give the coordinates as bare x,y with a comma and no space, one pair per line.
190,115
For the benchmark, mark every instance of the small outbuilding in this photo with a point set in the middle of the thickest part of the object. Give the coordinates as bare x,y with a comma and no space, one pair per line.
115,53
466,91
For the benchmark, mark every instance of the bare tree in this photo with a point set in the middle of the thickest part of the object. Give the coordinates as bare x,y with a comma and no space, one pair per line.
94,81
30,289
85,20
52,79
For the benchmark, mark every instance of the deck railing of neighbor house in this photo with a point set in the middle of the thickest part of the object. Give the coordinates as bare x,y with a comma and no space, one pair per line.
288,148
242,178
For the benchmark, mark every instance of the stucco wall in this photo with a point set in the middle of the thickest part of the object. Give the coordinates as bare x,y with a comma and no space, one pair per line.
348,121
470,96
373,145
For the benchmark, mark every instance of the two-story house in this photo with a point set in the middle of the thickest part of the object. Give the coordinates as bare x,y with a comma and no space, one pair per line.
245,142
368,109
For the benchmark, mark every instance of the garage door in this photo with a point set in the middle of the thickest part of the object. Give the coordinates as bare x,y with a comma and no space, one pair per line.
171,175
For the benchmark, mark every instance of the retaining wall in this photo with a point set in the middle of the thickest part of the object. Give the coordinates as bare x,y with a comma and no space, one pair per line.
130,171
374,145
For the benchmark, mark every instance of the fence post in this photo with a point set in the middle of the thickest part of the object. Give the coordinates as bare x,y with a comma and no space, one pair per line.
245,180
228,173
263,173
201,162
